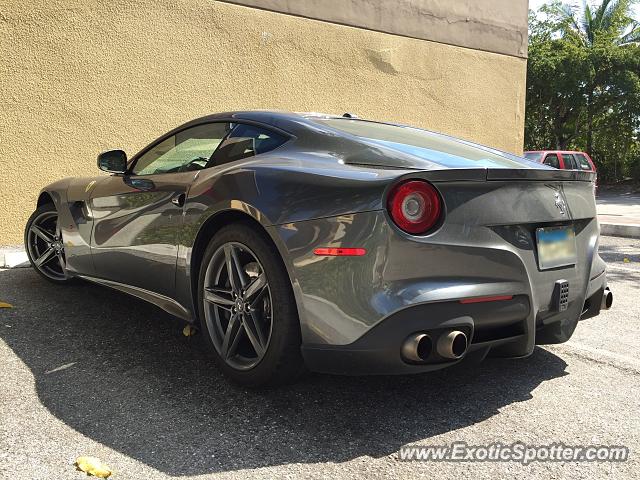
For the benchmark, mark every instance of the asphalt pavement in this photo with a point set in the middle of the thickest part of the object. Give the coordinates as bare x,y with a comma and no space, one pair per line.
89,371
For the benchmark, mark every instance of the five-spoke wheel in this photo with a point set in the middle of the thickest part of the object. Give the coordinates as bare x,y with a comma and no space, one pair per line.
237,305
44,244
246,308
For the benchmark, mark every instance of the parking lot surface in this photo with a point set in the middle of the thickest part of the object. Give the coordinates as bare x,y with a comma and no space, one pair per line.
90,371
619,207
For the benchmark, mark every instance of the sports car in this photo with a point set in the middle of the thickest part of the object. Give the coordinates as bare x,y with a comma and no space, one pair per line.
304,241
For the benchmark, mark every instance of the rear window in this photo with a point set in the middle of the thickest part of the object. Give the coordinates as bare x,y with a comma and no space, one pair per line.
583,162
246,141
533,156
442,149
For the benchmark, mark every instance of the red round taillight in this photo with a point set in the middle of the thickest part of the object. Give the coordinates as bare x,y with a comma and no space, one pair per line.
414,206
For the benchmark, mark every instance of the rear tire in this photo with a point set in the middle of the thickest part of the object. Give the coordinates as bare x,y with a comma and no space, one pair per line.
249,318
44,245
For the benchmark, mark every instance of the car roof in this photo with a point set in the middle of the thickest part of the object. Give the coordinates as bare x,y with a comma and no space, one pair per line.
306,124
255,114
553,151
265,116
291,122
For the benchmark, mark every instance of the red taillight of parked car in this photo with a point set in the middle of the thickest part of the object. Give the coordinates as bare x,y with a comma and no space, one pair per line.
415,206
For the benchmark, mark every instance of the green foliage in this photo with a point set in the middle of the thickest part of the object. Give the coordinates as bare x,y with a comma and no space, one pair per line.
583,84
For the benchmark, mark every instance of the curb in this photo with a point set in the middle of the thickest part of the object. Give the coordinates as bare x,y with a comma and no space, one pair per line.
14,257
627,230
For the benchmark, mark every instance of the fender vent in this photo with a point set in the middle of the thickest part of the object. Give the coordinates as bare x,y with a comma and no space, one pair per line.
561,295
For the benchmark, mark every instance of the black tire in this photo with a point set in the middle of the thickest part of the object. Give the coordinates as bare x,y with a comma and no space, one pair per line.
282,361
46,217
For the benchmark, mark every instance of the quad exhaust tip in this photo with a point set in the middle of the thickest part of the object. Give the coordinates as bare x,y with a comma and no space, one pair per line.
452,345
417,347
607,299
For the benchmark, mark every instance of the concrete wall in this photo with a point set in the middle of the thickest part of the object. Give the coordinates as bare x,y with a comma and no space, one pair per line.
78,77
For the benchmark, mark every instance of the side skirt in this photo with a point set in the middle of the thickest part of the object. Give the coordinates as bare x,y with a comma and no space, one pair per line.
165,303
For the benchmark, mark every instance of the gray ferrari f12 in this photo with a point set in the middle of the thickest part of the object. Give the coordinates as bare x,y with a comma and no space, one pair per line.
332,243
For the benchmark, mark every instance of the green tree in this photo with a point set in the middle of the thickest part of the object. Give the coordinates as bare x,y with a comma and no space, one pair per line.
583,81
601,31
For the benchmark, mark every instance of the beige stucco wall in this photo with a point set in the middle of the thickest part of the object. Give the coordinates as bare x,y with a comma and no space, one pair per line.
79,76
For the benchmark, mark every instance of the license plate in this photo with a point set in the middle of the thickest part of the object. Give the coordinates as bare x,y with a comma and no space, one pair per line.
556,247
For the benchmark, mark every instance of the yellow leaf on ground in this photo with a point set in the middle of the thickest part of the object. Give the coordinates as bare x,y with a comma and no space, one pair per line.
626,260
5,305
93,466
189,330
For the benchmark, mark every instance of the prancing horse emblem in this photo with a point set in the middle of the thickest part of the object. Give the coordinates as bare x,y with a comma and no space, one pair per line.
560,203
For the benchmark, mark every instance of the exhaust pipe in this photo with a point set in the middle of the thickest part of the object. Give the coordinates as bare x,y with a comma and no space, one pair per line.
452,345
607,299
417,348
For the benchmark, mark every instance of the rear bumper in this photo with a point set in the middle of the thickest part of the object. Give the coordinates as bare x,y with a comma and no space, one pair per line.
378,351
498,328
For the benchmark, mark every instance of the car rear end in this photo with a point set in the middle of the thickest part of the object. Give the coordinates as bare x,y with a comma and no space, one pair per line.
457,262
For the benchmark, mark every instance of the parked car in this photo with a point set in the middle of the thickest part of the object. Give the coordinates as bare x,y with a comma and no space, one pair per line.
563,159
332,243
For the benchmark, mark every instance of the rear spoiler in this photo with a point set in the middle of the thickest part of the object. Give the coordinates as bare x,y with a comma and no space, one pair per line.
513,174
542,175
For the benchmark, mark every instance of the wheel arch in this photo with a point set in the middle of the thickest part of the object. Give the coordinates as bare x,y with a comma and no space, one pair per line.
44,198
207,231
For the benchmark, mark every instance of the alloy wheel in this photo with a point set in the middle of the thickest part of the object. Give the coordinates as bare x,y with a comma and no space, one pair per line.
46,247
238,305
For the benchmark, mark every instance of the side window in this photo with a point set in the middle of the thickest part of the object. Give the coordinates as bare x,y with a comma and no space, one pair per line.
583,162
185,151
552,160
569,162
246,141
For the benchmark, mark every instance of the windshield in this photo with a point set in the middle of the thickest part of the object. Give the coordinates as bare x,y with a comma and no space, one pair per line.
533,156
442,149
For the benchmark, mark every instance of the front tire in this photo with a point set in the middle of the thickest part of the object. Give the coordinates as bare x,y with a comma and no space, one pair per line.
44,244
247,311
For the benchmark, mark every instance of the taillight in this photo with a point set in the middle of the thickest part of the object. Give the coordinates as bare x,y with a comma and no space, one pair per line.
415,206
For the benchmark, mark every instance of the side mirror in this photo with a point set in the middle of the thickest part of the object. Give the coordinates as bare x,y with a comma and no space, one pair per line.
113,161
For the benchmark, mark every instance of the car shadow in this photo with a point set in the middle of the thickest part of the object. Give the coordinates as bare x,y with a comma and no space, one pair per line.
616,253
621,254
120,372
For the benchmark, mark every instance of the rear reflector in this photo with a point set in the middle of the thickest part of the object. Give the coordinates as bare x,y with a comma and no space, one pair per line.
340,252
497,298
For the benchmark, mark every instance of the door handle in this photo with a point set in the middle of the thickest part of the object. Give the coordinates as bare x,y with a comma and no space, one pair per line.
178,200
